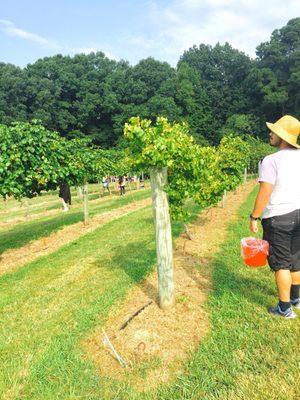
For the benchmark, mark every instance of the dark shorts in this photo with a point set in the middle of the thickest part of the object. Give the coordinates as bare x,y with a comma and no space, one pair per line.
283,234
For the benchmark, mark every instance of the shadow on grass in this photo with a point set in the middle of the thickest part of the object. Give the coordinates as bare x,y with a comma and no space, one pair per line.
192,266
138,259
36,208
23,233
239,284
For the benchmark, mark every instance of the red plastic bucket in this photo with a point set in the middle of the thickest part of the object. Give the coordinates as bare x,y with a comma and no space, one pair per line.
254,252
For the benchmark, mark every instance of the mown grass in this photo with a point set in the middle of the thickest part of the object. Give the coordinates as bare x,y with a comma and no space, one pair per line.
20,234
248,354
43,197
49,306
48,202
42,206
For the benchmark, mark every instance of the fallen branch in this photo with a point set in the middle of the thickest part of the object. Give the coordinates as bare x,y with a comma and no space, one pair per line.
108,344
134,315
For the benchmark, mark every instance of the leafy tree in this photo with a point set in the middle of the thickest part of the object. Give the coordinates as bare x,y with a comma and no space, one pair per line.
234,157
277,72
90,95
194,102
32,159
13,88
246,127
89,163
258,150
70,94
222,71
157,76
157,148
147,90
240,125
180,169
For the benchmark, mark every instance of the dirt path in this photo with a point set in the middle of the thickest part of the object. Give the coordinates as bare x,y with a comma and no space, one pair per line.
13,259
156,343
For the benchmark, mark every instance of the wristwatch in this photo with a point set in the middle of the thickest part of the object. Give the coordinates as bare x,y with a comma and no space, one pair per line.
254,218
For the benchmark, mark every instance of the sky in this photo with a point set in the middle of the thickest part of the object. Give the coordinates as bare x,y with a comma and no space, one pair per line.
135,29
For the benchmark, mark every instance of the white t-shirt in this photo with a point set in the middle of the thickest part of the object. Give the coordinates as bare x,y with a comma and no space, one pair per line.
282,170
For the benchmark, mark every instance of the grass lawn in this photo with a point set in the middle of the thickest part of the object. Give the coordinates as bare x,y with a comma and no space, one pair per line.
51,305
47,202
52,195
22,233
248,353
42,207
48,307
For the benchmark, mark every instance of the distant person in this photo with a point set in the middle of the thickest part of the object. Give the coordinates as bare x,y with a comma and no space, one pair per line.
122,183
65,195
105,185
142,183
278,201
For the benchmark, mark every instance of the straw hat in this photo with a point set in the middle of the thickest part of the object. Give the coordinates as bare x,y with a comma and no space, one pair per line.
287,128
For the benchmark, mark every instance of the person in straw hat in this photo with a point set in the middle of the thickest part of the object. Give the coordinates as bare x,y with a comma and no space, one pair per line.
278,201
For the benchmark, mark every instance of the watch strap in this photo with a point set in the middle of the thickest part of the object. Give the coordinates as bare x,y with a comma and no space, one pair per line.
254,218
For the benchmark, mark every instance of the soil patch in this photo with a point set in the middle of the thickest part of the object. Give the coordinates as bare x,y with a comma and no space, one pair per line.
156,343
13,259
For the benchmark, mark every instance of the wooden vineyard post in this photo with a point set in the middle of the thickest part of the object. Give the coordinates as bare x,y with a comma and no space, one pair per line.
245,175
85,202
164,250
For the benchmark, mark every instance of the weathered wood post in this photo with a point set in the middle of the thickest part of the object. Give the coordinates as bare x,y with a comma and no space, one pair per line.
164,250
258,168
85,202
245,175
137,182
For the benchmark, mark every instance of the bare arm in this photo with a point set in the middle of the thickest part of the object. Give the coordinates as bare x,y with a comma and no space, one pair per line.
262,200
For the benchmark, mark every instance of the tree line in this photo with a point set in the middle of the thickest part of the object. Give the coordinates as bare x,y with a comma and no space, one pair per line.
215,89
